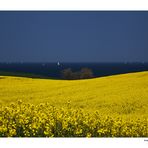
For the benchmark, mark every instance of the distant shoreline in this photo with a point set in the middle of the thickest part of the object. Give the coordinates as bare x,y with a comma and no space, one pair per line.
126,62
53,70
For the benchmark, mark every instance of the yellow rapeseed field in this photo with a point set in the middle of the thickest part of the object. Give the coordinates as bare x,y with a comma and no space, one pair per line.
113,106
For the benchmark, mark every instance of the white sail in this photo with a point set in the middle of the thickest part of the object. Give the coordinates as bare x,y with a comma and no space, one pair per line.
58,63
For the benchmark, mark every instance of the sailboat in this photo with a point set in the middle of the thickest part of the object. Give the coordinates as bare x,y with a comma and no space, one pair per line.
58,63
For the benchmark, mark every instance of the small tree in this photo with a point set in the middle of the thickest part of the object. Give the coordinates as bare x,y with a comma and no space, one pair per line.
67,74
86,73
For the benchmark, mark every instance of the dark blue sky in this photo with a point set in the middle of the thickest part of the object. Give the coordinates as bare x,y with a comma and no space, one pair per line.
73,36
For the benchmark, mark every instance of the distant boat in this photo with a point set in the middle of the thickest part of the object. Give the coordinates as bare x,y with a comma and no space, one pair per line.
58,63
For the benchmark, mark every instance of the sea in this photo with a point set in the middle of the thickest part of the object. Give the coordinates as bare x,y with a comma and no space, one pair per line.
53,70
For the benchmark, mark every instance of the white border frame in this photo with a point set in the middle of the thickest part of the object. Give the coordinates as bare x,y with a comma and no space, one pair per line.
73,5
76,5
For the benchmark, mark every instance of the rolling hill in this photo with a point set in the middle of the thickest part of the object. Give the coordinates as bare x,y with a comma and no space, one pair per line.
113,106
125,93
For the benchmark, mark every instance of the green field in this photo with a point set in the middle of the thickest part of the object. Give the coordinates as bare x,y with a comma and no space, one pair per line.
100,102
